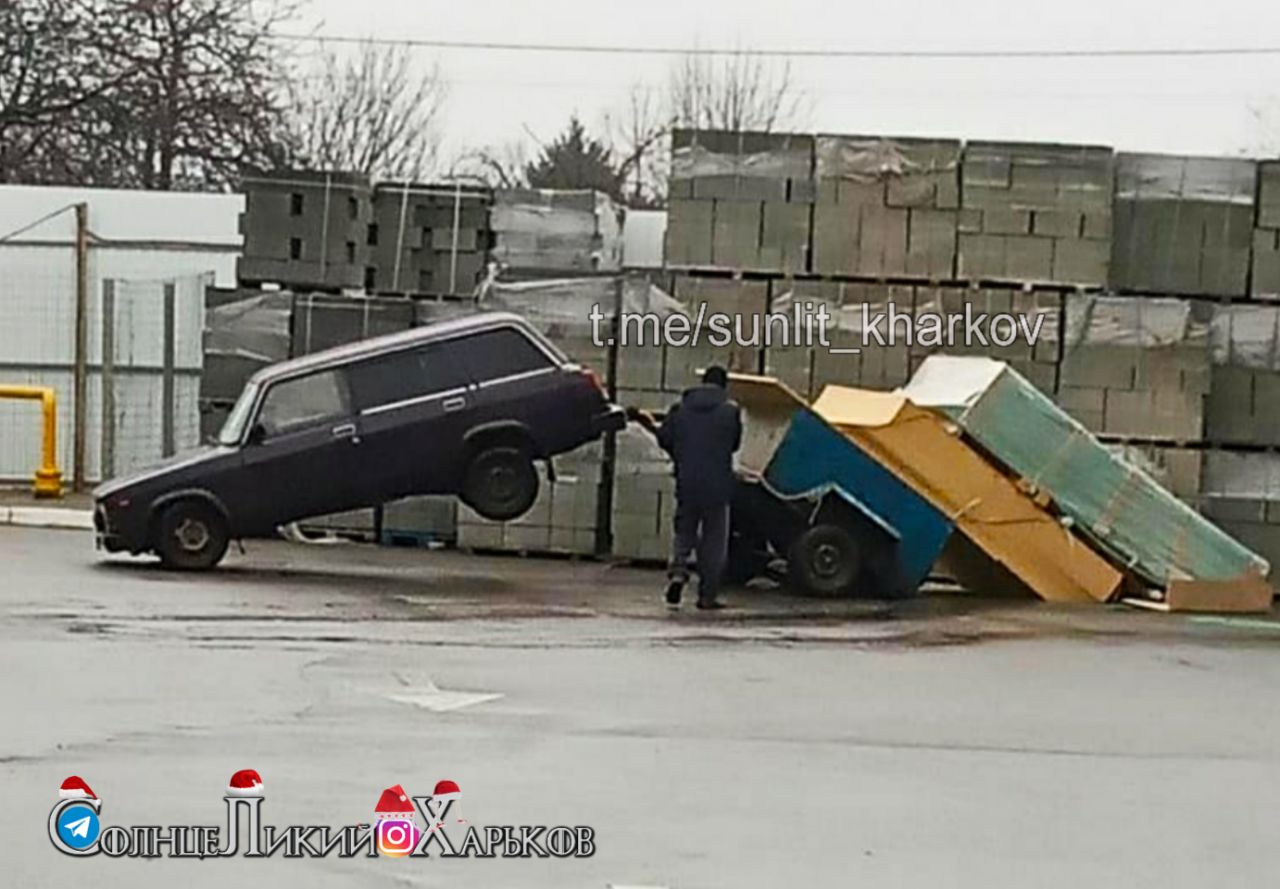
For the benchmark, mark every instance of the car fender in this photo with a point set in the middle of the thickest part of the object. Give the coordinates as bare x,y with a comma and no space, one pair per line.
204,494
500,429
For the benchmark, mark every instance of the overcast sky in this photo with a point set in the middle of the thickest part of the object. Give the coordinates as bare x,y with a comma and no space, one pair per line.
1194,105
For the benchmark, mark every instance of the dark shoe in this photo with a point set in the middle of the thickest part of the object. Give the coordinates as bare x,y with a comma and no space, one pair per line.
674,589
710,605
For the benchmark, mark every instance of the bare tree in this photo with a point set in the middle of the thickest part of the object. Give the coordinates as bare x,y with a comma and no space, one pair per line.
201,98
370,112
501,166
740,91
638,135
51,67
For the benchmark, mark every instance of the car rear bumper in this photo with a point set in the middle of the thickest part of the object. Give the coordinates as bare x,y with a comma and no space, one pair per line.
613,418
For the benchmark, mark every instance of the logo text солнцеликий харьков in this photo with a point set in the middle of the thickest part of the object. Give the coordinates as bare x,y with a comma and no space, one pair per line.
404,827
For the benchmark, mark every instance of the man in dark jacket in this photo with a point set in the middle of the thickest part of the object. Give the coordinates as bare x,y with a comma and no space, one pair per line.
701,434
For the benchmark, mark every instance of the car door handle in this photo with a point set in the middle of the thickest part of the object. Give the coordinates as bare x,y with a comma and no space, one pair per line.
346,430
454,404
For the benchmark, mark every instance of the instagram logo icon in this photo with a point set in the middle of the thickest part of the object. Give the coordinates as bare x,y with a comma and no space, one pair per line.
398,835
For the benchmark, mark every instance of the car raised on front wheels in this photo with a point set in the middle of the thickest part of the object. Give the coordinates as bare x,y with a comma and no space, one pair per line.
461,407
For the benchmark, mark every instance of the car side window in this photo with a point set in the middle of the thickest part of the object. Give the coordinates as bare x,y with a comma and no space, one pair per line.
302,402
504,352
401,376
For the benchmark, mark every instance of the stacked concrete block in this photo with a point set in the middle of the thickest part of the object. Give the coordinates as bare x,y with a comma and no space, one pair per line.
1025,334
849,356
549,230
1244,395
885,207
307,229
643,498
356,523
429,239
652,377
1265,279
563,518
1039,213
1241,493
1183,225
1135,368
740,201
321,321
1179,470
244,331
420,521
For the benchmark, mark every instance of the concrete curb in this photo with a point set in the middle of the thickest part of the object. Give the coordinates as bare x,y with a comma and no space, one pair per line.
47,517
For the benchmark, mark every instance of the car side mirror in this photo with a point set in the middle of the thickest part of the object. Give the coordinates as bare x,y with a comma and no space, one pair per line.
257,434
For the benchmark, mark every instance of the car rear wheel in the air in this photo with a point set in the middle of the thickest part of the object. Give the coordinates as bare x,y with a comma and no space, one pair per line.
501,482
824,560
191,536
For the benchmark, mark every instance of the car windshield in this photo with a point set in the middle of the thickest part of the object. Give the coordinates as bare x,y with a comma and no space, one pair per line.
233,429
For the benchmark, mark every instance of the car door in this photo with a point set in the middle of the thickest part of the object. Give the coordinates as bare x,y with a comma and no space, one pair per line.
304,455
414,407
515,381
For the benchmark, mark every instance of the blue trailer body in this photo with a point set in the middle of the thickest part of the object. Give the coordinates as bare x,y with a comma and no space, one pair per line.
813,458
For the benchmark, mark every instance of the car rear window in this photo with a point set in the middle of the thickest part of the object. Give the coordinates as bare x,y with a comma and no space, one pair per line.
401,376
500,353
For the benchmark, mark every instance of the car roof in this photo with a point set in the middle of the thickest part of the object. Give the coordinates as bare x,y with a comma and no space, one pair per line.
390,342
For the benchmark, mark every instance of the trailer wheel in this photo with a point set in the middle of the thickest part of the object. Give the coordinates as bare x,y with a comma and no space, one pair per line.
824,560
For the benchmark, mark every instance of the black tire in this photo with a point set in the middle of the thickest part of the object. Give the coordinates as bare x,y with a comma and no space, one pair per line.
824,560
191,535
500,483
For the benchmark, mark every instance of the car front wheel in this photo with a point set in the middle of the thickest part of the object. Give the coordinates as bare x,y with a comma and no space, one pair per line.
501,483
191,536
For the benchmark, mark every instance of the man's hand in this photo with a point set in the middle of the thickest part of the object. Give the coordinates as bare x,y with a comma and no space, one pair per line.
643,417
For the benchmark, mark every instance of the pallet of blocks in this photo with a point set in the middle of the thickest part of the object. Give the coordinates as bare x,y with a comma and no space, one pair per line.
1020,328
851,355
306,229
886,207
740,201
1244,393
1264,283
1036,213
1136,367
429,239
644,491
652,376
549,230
562,521
1183,225
1241,494
420,521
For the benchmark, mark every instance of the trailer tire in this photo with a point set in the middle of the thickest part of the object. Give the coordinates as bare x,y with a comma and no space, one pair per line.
824,560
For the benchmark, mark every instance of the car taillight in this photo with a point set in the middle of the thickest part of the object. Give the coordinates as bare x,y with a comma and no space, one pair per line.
594,379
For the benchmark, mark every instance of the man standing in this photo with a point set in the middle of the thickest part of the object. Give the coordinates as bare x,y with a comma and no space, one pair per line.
701,434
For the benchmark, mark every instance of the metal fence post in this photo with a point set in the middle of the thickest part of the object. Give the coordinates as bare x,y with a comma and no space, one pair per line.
79,384
108,379
168,408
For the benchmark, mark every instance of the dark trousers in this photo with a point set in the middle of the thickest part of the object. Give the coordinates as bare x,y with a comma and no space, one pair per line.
703,528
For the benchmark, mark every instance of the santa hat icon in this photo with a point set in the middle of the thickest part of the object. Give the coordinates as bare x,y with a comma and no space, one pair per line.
75,788
394,801
245,782
447,790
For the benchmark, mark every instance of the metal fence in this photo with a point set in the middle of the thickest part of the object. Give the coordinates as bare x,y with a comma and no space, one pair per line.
140,367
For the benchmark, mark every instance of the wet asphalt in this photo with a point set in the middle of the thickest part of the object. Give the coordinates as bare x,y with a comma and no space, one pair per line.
947,741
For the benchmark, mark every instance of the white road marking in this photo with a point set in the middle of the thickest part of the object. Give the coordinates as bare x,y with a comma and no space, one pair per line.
438,700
